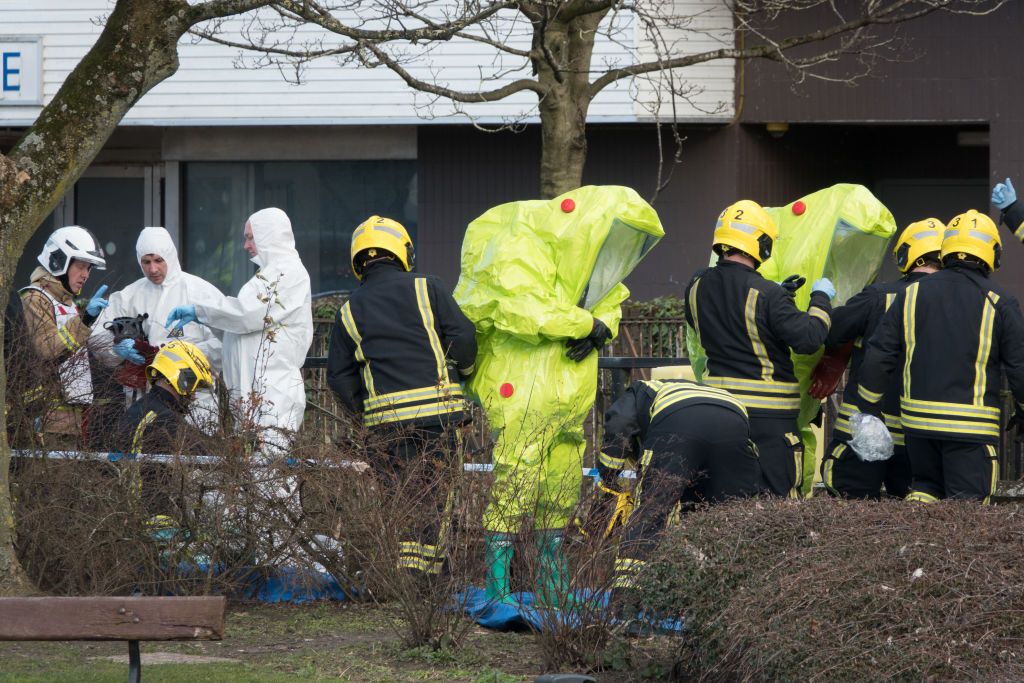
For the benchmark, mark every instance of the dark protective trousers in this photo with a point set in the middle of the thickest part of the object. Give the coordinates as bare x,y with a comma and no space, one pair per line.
951,469
781,454
415,468
847,476
701,454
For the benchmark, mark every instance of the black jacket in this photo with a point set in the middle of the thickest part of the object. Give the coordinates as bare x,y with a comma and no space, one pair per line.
855,322
150,425
391,348
1013,217
947,335
628,419
747,326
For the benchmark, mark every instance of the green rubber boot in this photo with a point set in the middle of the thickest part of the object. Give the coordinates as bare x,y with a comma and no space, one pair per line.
552,572
499,560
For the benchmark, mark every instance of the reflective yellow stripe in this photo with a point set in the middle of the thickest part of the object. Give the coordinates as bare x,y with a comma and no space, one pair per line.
769,402
423,300
140,429
674,394
629,564
937,424
350,326
917,405
760,386
750,313
995,473
909,336
1019,232
609,461
826,475
921,497
68,340
397,398
692,301
821,315
413,412
889,298
421,549
988,316
430,567
868,395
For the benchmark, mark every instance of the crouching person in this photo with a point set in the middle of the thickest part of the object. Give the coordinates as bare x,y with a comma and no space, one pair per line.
397,351
155,422
691,444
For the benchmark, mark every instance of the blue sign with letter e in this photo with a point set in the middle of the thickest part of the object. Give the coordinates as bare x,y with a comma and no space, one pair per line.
10,76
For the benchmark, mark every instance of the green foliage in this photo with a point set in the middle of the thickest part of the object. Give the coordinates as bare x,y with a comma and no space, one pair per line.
661,308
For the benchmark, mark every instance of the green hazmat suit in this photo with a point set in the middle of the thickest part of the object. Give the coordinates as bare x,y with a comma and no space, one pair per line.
535,274
843,234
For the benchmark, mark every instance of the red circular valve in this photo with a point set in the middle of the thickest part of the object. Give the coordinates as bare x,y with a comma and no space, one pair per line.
568,205
506,390
799,208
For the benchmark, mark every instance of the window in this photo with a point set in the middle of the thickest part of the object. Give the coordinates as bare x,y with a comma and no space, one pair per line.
325,200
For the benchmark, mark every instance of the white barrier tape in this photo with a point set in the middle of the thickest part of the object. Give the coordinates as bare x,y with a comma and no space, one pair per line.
214,459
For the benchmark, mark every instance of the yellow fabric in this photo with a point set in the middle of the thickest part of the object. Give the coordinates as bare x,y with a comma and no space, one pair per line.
526,269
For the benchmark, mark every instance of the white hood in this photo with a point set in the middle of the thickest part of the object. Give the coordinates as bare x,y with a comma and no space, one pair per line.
158,241
272,234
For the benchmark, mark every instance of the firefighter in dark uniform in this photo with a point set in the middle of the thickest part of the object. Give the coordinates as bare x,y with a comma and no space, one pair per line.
948,336
155,422
398,349
691,444
843,473
748,326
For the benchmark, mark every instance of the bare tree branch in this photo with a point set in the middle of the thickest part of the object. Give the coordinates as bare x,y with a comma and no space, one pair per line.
520,85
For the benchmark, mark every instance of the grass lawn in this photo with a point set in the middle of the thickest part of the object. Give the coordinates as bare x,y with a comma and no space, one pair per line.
284,643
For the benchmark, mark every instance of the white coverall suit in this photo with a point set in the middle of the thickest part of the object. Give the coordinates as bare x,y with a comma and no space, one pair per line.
268,329
142,296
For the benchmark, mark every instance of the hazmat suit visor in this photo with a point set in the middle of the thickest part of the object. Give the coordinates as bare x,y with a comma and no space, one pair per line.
272,234
157,241
852,245
622,250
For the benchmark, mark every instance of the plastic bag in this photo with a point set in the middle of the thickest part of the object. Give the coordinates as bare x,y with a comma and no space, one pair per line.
871,440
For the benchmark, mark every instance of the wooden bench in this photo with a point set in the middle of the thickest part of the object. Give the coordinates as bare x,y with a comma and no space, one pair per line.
103,618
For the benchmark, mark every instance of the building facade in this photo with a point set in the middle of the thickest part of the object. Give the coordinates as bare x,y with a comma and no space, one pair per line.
215,142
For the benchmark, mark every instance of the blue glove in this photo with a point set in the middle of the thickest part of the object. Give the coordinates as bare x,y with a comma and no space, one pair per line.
181,316
126,350
97,303
825,286
1003,194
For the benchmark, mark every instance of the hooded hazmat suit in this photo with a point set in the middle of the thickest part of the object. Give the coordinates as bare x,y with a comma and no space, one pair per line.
142,296
534,275
267,329
842,233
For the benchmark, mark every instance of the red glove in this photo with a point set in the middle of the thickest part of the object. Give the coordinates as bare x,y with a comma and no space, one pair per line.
132,375
147,350
829,370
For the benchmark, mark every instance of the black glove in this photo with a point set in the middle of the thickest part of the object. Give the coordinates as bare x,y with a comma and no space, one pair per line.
793,283
1017,422
578,349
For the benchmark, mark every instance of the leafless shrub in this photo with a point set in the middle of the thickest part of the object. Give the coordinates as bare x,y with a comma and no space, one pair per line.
844,590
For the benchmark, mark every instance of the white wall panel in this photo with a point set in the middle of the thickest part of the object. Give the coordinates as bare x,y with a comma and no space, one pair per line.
209,90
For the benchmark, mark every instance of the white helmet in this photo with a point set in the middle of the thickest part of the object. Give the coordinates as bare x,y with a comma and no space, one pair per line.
71,242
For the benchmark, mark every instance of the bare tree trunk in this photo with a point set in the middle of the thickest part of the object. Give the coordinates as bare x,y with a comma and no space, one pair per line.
136,50
561,55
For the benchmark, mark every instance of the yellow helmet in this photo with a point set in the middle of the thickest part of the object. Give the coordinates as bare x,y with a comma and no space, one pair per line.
975,234
747,227
917,241
183,365
383,234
